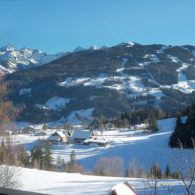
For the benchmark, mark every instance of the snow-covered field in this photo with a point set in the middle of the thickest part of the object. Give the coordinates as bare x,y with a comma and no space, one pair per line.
128,144
125,143
74,183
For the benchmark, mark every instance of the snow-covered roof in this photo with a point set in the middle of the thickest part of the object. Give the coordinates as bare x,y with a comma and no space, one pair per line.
123,189
82,134
54,137
101,141
61,133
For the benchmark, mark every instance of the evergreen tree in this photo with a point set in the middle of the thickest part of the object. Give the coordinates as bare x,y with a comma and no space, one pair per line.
140,172
44,127
155,171
37,155
72,161
175,175
127,173
184,133
47,157
167,173
153,124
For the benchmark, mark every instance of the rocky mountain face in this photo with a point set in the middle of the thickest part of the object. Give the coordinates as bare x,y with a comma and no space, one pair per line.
89,83
12,59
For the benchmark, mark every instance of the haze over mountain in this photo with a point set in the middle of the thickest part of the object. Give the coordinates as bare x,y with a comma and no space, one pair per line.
91,82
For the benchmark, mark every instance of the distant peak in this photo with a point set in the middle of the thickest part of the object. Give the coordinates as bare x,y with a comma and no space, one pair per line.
104,47
78,49
93,47
128,44
8,48
131,43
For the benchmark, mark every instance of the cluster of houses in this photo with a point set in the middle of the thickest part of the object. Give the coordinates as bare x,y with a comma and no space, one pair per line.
84,137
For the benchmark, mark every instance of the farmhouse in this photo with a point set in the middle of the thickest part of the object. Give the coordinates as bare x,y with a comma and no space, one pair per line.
122,189
79,136
59,137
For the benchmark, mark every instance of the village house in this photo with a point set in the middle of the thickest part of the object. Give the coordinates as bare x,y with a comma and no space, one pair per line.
79,136
59,137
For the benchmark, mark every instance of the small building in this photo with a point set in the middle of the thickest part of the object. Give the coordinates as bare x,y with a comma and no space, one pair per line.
97,133
40,133
110,126
141,126
122,189
28,130
59,137
96,142
79,136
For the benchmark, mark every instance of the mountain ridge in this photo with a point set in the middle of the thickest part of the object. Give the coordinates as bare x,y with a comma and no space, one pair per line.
106,81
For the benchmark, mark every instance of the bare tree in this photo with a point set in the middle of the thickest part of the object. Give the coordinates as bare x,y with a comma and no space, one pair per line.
101,123
8,173
185,167
9,176
8,111
109,166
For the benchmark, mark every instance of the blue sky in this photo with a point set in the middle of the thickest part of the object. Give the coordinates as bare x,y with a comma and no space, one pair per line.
62,25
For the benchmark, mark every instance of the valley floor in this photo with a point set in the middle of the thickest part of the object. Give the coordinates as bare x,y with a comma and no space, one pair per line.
127,144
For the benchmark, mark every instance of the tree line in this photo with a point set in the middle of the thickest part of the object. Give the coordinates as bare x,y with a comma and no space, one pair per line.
184,133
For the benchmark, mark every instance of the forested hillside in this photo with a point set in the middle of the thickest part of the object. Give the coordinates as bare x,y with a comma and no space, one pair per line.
108,81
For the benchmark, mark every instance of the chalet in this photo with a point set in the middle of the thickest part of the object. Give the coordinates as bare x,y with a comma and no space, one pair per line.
96,142
28,130
122,189
79,136
59,137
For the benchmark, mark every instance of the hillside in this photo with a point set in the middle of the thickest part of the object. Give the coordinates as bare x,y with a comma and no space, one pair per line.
74,183
105,81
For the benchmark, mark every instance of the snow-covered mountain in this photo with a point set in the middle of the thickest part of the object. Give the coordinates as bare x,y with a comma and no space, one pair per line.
12,59
106,81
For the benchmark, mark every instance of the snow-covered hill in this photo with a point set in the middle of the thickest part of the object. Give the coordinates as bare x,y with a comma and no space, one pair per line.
73,183
12,59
